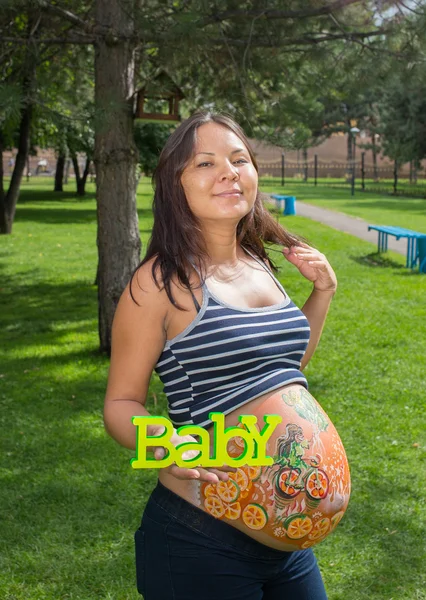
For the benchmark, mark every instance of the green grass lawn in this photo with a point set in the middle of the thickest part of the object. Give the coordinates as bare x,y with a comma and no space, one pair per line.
374,208
70,501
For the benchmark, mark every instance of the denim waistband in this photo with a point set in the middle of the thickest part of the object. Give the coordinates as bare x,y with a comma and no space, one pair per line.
198,520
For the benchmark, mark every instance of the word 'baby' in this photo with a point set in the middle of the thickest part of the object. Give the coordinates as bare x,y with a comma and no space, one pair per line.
253,454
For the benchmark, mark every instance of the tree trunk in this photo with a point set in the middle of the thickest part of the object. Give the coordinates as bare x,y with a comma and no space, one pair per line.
80,179
395,176
2,195
305,165
374,152
115,160
349,166
9,200
81,190
59,174
67,170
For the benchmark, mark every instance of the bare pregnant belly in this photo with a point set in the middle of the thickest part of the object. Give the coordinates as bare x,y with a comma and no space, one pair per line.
294,503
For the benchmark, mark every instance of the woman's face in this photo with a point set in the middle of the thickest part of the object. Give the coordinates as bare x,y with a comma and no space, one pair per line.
220,181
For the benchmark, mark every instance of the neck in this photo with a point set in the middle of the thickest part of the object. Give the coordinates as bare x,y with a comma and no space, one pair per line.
222,247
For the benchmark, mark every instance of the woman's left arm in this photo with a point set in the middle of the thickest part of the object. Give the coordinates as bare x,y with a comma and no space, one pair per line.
315,267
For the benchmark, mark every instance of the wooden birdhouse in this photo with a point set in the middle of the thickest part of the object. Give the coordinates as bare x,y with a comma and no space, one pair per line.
158,100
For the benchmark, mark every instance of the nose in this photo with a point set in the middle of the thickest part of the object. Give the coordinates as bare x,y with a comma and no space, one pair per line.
230,171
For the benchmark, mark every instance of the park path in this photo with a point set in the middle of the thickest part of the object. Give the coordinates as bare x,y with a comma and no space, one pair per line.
352,225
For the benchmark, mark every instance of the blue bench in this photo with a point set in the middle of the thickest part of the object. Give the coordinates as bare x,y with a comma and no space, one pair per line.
289,203
416,244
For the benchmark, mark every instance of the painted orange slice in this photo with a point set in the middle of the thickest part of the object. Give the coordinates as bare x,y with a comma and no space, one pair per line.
209,490
298,526
214,506
336,519
246,491
228,491
241,478
317,484
287,482
253,472
233,511
320,528
255,516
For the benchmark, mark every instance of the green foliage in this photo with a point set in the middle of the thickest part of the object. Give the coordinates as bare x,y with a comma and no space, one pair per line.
403,115
150,139
10,112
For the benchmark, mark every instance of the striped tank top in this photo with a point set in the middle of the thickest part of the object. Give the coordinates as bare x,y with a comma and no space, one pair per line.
228,356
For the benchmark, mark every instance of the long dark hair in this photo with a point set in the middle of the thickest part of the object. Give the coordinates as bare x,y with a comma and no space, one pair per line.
176,237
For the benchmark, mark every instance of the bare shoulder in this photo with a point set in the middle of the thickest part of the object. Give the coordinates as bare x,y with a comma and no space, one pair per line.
143,290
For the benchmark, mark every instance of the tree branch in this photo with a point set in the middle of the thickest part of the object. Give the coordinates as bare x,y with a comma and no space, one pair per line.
352,37
65,14
279,14
60,40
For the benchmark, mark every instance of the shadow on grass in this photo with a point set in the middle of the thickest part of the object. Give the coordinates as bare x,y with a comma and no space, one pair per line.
42,195
33,313
56,216
67,214
377,260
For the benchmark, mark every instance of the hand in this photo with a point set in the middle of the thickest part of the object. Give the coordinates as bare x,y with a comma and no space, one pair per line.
201,474
313,265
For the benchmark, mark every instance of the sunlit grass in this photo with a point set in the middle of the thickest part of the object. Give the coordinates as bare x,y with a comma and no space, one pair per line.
374,208
70,500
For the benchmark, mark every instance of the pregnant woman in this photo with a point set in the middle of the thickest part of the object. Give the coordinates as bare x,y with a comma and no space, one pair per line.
206,313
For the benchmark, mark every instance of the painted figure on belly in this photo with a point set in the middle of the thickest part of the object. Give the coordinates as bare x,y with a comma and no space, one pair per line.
301,498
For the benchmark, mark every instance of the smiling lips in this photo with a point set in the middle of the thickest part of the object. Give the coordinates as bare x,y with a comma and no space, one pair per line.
231,192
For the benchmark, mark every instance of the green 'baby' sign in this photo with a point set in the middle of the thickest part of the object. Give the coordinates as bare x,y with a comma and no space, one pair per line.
254,453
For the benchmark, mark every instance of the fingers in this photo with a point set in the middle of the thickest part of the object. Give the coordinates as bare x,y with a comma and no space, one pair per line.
227,469
209,475
199,474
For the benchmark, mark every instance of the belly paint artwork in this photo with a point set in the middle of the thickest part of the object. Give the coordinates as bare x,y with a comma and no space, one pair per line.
302,496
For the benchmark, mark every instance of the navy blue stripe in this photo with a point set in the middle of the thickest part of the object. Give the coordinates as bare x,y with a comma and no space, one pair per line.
229,356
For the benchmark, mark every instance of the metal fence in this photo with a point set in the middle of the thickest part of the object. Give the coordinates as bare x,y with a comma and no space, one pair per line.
395,179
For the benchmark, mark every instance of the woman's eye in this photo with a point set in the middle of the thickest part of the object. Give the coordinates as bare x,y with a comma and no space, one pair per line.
241,160
204,164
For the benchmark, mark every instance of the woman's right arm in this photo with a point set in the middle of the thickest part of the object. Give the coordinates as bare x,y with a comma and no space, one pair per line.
138,338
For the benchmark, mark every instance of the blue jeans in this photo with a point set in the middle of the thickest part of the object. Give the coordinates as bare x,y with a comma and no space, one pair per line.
183,553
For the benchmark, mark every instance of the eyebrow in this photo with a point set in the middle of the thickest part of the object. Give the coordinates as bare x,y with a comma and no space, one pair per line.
213,154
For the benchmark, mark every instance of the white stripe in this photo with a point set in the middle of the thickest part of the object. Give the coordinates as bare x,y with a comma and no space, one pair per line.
245,362
229,377
233,327
171,370
234,352
179,402
164,362
178,412
238,384
185,378
178,391
237,339
249,315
